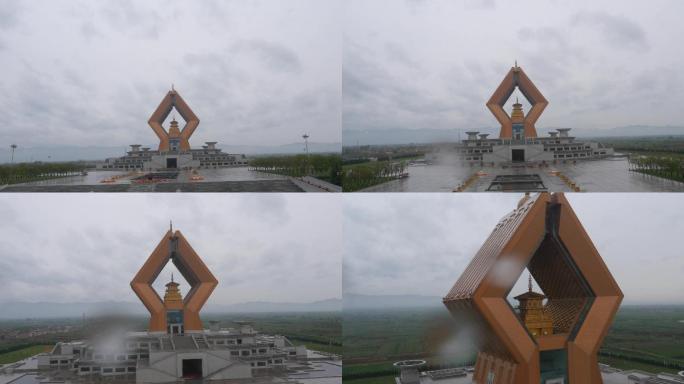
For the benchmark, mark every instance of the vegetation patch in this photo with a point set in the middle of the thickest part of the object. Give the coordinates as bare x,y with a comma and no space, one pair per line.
21,352
27,172
325,167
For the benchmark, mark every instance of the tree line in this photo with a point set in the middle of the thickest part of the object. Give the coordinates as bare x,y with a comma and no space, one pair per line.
25,172
360,176
669,167
660,362
326,167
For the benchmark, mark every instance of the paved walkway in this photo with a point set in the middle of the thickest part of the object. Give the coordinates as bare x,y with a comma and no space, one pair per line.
282,185
607,175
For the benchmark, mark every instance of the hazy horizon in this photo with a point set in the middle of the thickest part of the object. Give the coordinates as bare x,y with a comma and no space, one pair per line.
95,153
421,243
260,247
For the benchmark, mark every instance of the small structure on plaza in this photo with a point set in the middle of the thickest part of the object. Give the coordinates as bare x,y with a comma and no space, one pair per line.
408,371
518,141
556,342
177,346
174,151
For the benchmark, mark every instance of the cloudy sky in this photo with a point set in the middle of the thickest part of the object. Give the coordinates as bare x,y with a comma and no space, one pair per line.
88,247
419,244
78,72
434,64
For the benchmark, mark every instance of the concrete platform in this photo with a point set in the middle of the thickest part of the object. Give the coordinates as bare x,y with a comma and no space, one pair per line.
284,185
236,179
605,175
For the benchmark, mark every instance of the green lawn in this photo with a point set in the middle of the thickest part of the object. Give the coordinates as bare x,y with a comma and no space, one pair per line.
323,347
627,364
372,380
11,357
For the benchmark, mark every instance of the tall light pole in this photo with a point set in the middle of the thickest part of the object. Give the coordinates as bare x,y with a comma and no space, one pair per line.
306,149
306,143
13,146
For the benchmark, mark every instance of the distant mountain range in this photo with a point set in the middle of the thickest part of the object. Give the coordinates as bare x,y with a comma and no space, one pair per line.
368,302
23,310
351,137
74,153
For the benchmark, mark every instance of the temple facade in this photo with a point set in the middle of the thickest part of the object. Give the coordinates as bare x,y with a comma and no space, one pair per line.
518,141
174,151
177,346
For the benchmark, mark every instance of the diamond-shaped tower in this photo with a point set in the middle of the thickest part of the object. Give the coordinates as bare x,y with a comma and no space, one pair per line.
543,235
170,315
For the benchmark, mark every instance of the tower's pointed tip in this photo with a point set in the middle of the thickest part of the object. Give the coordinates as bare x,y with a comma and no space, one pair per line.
529,283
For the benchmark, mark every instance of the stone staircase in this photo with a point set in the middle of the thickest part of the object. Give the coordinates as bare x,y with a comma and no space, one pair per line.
201,342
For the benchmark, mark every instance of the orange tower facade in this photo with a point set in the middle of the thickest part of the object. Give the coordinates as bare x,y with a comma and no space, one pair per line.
544,235
174,314
516,77
174,139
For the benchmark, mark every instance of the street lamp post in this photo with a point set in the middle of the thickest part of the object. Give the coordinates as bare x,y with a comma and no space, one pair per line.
306,150
13,146
306,143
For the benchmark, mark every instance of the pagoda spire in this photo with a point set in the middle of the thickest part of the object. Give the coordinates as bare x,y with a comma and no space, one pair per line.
529,282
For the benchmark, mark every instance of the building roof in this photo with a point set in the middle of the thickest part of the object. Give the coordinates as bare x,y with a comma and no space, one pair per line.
530,295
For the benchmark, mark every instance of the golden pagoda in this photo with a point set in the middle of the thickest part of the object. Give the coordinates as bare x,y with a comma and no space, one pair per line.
517,116
172,297
174,131
534,314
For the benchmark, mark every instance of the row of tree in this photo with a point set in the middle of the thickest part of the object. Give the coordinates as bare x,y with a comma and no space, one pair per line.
25,172
651,360
669,167
360,176
326,167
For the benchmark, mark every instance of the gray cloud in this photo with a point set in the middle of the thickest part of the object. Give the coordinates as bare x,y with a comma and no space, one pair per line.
421,243
274,56
9,13
68,248
420,64
619,31
91,73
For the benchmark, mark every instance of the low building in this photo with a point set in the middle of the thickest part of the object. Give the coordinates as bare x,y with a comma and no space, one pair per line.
232,353
559,146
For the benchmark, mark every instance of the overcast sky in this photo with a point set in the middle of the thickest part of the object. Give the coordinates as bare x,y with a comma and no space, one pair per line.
79,72
434,64
88,247
419,244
